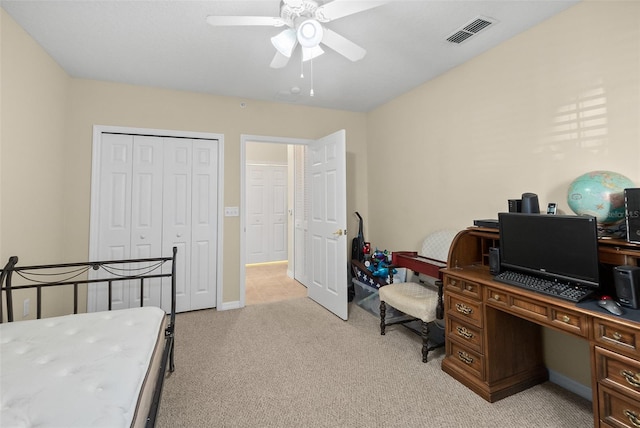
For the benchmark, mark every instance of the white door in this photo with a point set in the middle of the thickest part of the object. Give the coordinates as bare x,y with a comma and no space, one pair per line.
190,219
204,220
130,211
327,223
300,215
266,213
146,213
278,213
149,195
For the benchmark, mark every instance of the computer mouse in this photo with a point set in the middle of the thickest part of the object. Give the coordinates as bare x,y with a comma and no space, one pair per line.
611,305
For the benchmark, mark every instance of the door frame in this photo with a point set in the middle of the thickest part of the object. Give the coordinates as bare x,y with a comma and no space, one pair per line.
98,130
244,139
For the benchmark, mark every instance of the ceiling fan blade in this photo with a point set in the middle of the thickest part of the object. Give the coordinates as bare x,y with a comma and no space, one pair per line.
342,45
279,61
341,8
268,21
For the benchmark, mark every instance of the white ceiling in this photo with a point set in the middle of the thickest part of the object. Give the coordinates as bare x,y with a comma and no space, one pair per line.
168,44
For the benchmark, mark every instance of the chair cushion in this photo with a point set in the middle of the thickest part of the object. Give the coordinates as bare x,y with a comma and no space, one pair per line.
411,298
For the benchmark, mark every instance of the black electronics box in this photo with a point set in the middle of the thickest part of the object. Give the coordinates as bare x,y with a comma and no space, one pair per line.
488,223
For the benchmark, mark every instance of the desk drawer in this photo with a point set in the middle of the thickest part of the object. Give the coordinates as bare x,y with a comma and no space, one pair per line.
497,297
547,314
462,308
618,372
470,361
467,288
464,333
570,321
616,336
618,410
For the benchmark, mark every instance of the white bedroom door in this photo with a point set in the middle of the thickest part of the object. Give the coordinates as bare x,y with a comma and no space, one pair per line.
154,193
328,222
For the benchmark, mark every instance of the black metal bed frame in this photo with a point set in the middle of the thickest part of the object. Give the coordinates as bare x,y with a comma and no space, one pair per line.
74,276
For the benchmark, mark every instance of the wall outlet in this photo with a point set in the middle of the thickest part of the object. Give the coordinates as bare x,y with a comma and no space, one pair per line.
25,308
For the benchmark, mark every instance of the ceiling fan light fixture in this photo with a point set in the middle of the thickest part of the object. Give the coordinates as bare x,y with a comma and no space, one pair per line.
285,42
310,33
311,53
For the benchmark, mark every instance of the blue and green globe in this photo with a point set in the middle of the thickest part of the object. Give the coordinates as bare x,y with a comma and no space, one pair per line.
600,194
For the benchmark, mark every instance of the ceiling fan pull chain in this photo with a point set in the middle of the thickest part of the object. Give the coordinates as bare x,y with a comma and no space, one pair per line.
311,73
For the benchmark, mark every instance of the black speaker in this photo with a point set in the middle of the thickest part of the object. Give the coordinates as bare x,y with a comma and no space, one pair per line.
515,205
494,260
627,282
632,214
530,203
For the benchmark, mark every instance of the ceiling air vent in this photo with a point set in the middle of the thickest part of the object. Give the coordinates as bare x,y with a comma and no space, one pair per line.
470,29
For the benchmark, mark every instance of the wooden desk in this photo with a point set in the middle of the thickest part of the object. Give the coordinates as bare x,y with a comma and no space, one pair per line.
494,337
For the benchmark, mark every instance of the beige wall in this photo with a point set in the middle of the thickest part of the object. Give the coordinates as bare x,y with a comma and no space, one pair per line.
486,131
265,153
35,104
489,130
459,146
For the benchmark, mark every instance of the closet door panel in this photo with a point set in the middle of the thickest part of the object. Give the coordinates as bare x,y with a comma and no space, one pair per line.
204,222
146,213
114,213
177,213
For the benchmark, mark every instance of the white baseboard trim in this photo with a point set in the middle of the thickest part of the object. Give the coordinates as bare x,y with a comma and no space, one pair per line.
570,385
228,305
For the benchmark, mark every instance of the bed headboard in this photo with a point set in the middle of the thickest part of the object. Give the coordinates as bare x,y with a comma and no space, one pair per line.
42,277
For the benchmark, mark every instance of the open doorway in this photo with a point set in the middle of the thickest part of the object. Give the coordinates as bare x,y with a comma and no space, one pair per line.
274,226
318,243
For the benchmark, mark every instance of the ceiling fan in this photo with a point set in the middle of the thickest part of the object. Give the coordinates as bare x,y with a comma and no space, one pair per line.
304,21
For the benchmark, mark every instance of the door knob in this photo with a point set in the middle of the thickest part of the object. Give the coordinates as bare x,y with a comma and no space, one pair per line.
338,232
178,235
142,236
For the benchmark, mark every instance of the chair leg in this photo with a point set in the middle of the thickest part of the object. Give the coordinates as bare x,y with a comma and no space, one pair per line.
383,311
425,341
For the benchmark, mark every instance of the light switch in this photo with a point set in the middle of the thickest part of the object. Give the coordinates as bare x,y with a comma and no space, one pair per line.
231,211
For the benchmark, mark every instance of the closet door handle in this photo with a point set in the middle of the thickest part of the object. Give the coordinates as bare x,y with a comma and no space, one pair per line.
178,235
142,236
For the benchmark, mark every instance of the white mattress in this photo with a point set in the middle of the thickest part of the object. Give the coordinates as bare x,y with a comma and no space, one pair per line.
84,370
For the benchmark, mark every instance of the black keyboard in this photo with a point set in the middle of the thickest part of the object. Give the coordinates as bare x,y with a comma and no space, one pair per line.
544,286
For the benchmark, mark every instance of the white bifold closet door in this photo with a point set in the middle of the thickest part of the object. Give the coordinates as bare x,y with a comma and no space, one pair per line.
156,193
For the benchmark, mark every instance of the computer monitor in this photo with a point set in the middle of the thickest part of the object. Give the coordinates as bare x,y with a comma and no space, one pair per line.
559,247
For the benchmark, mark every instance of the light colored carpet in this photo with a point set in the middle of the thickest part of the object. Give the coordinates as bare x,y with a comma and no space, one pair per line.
294,364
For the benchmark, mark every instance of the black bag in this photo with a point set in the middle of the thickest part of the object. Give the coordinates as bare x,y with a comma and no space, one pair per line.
357,253
357,245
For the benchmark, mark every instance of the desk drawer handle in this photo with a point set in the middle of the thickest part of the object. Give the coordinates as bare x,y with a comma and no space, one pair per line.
617,336
633,418
469,288
566,318
632,378
464,357
453,282
464,309
464,332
